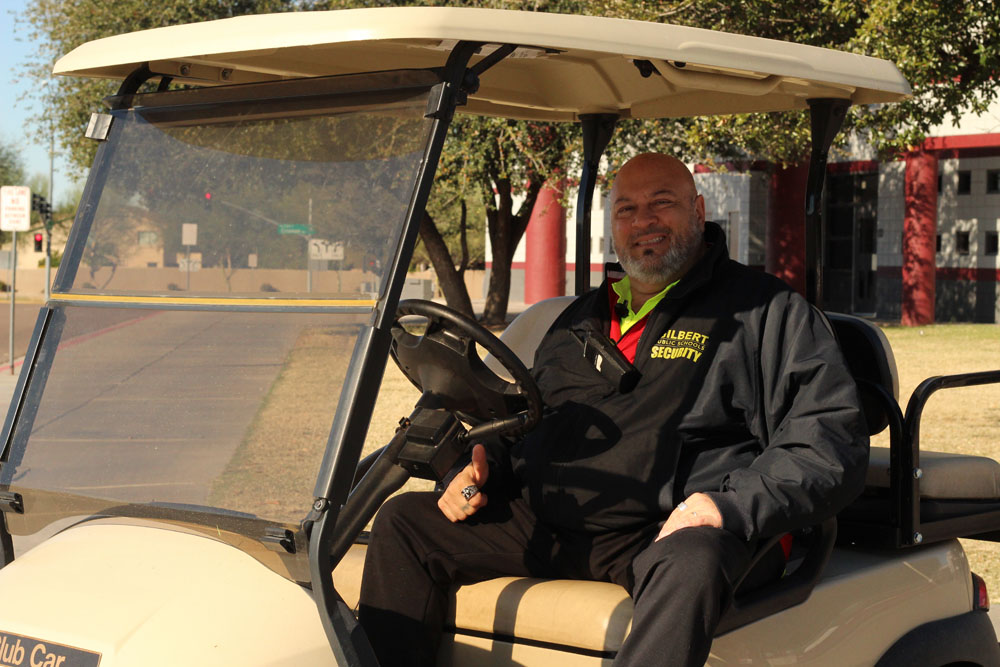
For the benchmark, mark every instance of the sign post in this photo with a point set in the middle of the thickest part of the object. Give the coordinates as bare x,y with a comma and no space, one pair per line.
330,251
15,216
189,237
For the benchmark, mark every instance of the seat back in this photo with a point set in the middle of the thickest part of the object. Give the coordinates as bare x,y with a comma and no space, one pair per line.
524,334
871,362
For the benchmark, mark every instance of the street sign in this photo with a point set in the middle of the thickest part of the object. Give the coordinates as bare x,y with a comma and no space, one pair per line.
322,249
189,233
15,208
305,230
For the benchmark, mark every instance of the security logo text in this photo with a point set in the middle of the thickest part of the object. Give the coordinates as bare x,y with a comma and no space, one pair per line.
680,344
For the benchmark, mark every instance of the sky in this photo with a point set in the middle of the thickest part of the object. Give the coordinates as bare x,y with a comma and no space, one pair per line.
15,49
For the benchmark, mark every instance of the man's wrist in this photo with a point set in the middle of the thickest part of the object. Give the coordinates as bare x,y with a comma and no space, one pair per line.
733,519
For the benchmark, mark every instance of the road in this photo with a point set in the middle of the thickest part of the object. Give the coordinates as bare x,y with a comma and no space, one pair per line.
150,406
25,316
152,409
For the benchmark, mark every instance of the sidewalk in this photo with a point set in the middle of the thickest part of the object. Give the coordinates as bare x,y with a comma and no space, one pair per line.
7,384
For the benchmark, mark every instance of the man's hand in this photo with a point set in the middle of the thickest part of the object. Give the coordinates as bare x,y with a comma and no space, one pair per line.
697,510
462,498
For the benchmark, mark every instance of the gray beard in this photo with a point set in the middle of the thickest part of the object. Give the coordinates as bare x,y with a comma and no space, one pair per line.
657,269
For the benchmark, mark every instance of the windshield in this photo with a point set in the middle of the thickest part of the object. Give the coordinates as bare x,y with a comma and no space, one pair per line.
207,309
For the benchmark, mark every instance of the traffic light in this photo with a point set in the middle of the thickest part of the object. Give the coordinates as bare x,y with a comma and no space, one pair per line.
208,201
43,206
38,242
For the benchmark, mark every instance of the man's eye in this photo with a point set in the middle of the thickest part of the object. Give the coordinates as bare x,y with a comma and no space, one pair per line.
625,210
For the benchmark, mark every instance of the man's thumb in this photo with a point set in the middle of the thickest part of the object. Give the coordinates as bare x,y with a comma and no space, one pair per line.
480,466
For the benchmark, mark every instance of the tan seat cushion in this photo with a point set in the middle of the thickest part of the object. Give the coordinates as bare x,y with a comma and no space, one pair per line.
586,614
945,476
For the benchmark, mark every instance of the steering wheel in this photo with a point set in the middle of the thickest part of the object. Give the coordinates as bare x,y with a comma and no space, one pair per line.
444,365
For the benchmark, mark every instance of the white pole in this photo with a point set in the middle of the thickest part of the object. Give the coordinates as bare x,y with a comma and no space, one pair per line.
13,285
309,273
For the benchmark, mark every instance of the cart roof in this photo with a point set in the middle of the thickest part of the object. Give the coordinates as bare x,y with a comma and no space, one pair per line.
567,66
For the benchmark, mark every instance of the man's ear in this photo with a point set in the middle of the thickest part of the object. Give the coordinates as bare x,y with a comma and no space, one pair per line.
699,208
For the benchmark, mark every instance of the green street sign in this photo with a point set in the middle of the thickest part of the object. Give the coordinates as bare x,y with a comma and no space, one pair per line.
305,230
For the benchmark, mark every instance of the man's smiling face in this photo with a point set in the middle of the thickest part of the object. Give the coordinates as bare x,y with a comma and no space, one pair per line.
658,219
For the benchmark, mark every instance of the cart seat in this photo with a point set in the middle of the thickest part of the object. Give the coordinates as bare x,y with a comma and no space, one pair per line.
945,476
533,610
524,334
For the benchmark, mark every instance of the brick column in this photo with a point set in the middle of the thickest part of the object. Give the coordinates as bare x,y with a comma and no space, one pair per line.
545,246
786,226
919,238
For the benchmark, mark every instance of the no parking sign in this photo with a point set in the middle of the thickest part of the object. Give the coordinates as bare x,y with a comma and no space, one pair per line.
15,208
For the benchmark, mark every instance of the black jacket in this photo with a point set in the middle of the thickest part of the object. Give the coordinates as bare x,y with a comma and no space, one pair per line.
744,395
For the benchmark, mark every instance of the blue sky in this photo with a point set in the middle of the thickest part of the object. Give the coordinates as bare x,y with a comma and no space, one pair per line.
14,50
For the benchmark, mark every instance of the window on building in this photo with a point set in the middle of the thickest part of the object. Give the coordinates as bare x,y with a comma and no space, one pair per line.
596,245
937,243
990,246
147,238
993,181
964,182
962,243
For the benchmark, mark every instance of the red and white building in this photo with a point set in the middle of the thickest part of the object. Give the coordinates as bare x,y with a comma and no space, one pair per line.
913,240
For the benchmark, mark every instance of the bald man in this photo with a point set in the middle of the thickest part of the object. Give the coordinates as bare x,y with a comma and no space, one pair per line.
744,424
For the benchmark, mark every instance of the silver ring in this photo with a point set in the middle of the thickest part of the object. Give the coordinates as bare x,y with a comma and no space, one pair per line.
469,491
682,506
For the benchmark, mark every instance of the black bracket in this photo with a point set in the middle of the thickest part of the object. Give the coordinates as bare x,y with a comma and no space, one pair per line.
11,502
433,444
458,82
278,538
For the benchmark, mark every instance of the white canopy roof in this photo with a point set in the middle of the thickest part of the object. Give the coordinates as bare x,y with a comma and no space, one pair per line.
566,66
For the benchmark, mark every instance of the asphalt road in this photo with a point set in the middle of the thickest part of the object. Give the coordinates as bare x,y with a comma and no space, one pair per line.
25,316
152,408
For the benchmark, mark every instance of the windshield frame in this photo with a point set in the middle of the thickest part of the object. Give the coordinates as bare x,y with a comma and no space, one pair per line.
282,547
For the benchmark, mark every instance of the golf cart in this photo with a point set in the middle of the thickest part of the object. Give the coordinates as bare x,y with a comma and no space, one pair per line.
182,476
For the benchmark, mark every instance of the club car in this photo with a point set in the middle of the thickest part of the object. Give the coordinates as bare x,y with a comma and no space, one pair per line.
183,479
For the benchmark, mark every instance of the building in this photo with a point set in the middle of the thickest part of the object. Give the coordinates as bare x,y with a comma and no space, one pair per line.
913,239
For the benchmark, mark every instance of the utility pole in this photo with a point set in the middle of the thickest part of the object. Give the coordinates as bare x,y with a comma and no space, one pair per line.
48,221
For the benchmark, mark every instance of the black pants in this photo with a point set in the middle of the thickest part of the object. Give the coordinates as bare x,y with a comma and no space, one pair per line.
680,585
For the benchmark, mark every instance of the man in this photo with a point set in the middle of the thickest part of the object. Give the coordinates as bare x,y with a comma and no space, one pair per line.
744,425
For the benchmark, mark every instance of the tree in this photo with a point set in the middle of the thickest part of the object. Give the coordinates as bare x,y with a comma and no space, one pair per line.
504,164
59,26
950,53
11,168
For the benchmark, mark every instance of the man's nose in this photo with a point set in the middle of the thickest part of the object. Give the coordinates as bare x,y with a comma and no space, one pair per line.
646,216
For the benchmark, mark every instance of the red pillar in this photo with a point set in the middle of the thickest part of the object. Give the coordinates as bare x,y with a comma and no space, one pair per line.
919,238
786,228
545,246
